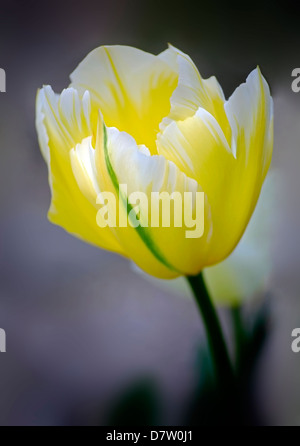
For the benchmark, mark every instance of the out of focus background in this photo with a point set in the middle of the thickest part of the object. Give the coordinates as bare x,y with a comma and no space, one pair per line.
82,327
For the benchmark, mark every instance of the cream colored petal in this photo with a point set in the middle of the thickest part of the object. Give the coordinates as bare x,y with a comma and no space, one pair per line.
193,92
84,169
231,177
160,251
247,270
250,113
41,130
198,147
132,89
63,122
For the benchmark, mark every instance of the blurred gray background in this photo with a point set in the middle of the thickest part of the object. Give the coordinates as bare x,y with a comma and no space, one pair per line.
81,326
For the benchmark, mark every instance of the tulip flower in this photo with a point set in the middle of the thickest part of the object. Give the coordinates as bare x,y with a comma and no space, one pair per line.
154,125
163,128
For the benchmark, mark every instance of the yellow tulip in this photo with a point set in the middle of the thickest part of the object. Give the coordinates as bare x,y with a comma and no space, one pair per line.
154,124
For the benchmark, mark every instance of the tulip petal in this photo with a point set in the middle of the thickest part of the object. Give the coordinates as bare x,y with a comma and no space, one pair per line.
165,252
132,89
247,270
83,166
62,123
193,92
231,177
250,113
198,147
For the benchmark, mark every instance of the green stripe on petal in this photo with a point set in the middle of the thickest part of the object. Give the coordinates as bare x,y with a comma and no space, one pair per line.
145,237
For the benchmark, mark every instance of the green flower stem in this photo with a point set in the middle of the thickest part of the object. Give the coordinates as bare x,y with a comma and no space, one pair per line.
223,368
